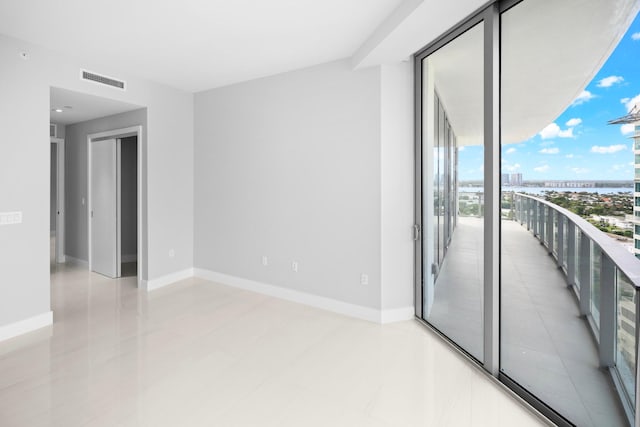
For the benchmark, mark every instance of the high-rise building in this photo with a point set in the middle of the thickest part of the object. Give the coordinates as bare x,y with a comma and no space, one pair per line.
636,193
516,179
634,118
505,179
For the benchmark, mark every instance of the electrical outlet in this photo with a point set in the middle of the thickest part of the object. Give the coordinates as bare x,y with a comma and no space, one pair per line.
265,260
364,279
294,266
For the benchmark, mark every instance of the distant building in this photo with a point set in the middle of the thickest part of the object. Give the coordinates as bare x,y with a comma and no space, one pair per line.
634,118
505,179
516,179
636,193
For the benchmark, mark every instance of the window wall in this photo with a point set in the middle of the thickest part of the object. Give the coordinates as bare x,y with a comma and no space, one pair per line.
453,201
528,290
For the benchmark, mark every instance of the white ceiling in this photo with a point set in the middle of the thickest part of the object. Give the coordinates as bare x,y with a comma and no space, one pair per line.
83,107
198,44
545,65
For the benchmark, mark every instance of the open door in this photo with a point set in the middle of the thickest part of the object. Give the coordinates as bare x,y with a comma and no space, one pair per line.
105,208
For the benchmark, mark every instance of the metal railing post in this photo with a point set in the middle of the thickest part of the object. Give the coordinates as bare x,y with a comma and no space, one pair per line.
608,324
584,273
539,220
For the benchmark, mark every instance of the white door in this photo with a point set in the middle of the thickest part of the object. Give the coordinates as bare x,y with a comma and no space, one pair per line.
105,236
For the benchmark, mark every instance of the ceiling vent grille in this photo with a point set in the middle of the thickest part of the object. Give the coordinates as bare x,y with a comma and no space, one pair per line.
104,80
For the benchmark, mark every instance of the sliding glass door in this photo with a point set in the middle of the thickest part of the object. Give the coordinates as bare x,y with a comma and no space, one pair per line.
453,188
523,115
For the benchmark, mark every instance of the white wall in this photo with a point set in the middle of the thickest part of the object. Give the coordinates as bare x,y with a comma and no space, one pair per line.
289,167
397,182
24,164
76,226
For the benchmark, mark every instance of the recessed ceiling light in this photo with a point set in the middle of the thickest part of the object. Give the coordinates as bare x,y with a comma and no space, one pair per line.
57,110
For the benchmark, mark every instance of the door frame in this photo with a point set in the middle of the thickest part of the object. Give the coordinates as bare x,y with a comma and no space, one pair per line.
142,194
60,200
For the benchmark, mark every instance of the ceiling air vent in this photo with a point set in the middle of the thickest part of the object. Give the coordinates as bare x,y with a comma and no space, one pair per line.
97,78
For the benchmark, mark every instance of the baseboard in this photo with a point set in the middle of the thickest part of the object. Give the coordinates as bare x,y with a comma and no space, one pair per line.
27,325
163,281
347,309
129,258
397,314
75,261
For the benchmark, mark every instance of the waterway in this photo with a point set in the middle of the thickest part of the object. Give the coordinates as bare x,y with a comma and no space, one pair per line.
542,190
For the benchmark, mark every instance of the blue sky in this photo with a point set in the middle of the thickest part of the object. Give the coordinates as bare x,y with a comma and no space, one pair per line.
579,144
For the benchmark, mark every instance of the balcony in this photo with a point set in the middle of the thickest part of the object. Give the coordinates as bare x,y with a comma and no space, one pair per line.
568,309
603,278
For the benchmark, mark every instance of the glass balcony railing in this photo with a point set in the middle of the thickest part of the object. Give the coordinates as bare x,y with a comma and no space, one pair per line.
605,278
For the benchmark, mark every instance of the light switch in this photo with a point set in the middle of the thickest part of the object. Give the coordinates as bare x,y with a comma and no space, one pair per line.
8,218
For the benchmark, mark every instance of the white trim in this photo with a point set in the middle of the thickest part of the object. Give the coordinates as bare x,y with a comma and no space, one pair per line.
119,207
130,258
397,314
77,261
27,325
324,303
142,193
160,282
60,208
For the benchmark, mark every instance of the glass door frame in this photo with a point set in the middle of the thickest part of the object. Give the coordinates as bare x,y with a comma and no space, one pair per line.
490,15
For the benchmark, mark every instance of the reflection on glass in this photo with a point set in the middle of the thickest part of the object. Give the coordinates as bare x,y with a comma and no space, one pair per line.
454,189
565,241
596,260
577,258
626,334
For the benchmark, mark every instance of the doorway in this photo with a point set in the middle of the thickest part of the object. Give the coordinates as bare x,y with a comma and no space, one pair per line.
114,200
56,205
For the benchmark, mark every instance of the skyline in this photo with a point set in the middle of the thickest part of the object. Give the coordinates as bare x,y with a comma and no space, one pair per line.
579,144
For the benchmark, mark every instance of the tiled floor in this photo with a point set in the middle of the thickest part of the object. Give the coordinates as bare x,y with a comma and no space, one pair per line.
546,346
202,354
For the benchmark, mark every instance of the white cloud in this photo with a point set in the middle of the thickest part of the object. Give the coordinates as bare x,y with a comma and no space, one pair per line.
610,81
543,168
513,150
546,143
569,156
461,148
584,96
630,102
553,131
568,133
554,150
608,149
627,128
620,166
635,36
573,122
580,170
